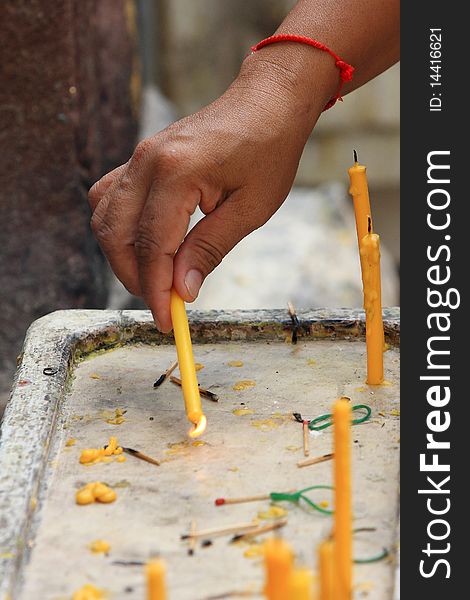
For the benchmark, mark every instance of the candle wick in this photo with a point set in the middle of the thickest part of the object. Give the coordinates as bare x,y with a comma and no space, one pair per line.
369,224
355,156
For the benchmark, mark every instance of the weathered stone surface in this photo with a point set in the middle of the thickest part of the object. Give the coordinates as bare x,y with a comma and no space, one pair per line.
68,98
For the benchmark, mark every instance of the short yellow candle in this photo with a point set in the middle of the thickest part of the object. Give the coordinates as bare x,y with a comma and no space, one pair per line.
184,350
343,512
155,572
370,262
359,189
326,567
278,561
301,585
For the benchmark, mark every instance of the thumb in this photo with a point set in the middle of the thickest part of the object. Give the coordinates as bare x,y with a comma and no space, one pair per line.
210,240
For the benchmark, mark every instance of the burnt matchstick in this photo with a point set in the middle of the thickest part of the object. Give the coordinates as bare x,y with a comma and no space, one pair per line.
315,460
192,539
259,530
138,454
295,322
206,393
218,531
164,376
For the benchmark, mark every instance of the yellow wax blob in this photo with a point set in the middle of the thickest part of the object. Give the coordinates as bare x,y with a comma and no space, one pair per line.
254,551
275,421
244,385
235,363
70,442
89,592
198,443
91,456
95,376
100,546
118,418
121,458
395,413
198,366
240,412
293,448
324,504
95,492
275,512
311,362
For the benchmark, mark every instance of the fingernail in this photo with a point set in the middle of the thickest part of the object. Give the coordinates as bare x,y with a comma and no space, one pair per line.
193,282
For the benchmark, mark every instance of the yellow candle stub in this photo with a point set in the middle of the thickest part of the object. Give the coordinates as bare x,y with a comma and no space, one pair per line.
370,262
326,568
343,511
278,560
155,571
184,351
301,584
359,190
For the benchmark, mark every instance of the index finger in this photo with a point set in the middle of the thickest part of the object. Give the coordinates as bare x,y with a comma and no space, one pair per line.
163,225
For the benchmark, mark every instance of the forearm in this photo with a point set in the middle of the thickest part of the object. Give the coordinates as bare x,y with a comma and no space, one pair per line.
364,33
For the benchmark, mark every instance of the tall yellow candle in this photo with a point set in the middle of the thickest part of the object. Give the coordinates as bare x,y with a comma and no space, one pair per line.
343,512
369,250
301,584
155,572
184,351
359,189
326,567
278,561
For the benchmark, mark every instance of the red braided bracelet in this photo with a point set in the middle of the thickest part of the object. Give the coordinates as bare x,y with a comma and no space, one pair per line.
345,71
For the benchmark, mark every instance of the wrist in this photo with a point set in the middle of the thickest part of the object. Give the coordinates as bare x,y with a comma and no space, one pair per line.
302,79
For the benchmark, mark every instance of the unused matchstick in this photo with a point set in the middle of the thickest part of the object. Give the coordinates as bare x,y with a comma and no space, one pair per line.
315,460
305,432
222,501
206,533
206,393
295,321
164,376
192,539
138,454
259,530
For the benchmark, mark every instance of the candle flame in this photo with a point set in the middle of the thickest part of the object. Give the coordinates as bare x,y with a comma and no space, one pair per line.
199,428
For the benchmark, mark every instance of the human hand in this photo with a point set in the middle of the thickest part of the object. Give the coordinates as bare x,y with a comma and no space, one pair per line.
236,159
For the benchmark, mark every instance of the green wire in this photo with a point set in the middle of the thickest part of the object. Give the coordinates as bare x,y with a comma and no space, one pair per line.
295,497
329,418
381,556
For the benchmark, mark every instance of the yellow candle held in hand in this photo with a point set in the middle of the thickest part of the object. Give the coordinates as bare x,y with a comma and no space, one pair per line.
184,350
301,585
326,567
369,250
278,561
359,189
155,572
343,512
